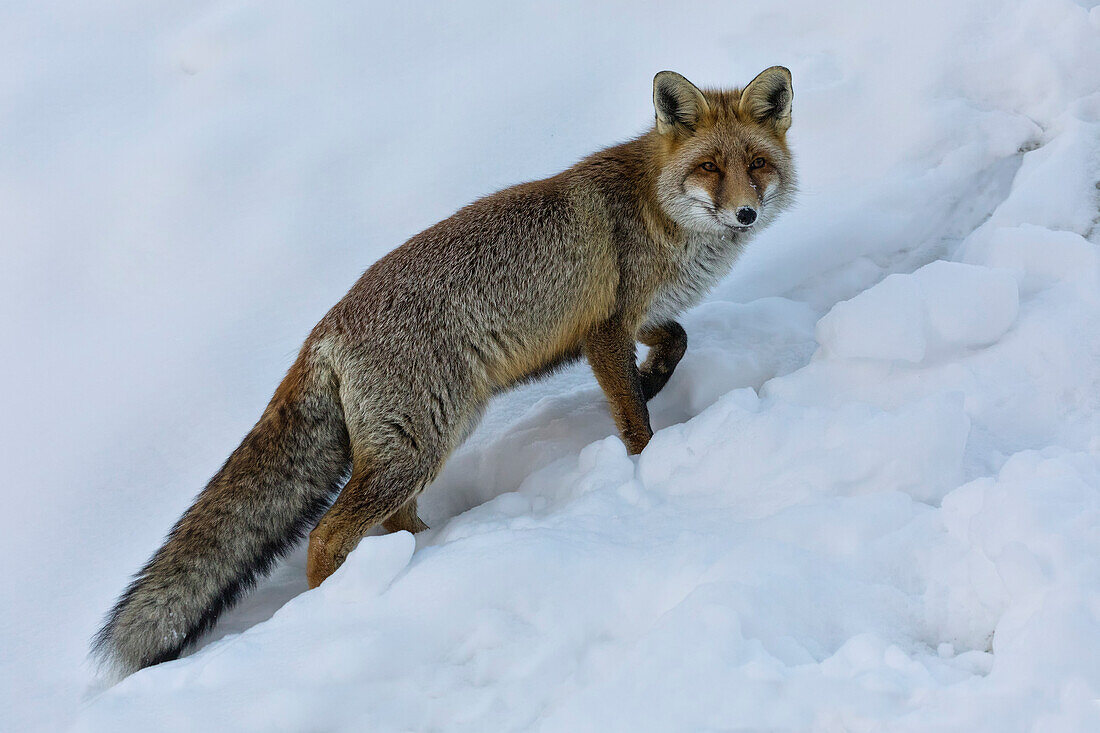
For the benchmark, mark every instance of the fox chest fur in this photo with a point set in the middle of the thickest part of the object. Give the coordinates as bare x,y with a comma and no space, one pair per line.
701,260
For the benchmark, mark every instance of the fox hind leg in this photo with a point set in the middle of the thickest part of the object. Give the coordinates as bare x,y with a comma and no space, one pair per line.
405,518
372,495
401,430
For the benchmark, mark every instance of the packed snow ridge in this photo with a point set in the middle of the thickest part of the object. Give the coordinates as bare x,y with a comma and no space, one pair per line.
872,501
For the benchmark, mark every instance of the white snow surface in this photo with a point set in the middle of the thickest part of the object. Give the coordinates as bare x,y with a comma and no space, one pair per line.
872,501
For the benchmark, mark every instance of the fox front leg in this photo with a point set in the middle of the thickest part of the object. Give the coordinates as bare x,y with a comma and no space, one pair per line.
610,351
667,342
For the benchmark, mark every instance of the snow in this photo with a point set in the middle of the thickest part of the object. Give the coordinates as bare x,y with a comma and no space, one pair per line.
872,501
940,308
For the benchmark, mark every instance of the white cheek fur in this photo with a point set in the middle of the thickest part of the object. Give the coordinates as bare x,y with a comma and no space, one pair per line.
698,194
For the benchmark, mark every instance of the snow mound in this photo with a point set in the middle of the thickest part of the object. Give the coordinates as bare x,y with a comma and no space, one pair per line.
873,496
940,308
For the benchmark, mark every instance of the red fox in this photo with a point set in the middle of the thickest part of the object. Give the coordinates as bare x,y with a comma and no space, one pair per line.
388,384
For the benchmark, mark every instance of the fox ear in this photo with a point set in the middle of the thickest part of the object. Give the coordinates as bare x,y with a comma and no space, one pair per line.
767,98
679,103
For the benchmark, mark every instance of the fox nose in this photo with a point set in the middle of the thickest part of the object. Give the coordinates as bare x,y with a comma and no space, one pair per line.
746,215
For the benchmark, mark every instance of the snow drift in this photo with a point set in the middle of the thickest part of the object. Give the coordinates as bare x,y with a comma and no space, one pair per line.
872,501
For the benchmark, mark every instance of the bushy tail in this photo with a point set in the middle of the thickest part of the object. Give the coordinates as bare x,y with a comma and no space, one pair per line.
269,492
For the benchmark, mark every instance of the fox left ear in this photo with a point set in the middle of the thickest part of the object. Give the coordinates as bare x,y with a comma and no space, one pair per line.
767,98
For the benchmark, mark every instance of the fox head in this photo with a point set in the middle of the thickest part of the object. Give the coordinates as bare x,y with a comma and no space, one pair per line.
725,166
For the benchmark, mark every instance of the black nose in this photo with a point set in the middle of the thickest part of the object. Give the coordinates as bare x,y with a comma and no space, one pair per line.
746,215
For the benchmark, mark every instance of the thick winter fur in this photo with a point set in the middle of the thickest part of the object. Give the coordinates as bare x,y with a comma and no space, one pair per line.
393,378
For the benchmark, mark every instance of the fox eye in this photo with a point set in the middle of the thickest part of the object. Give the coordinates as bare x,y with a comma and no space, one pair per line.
709,167
757,163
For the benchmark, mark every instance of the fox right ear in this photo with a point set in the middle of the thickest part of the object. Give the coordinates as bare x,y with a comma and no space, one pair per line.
679,103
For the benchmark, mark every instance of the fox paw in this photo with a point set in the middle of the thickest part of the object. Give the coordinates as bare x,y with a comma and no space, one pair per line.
329,546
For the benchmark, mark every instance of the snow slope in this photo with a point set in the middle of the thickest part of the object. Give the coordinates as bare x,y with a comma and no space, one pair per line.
873,498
